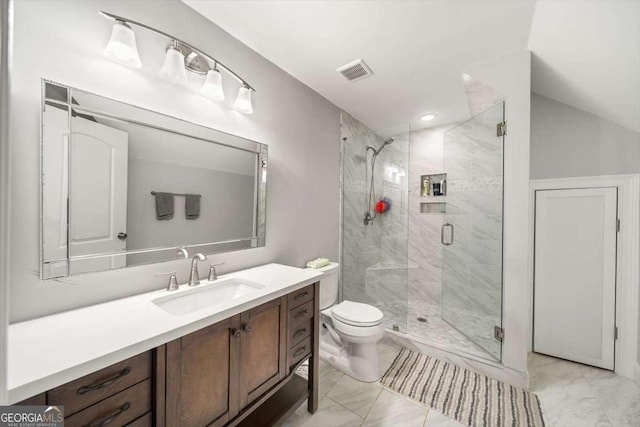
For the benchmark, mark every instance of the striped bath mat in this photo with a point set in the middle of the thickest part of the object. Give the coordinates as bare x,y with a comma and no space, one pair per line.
469,397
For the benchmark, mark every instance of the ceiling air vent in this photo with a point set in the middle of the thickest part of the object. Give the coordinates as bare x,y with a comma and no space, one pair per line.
355,70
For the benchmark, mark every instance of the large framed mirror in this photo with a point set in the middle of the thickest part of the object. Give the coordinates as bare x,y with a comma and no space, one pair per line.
123,186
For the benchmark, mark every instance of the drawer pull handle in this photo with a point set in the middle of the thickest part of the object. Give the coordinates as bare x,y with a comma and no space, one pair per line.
87,388
236,333
301,314
246,328
113,417
302,295
300,351
299,333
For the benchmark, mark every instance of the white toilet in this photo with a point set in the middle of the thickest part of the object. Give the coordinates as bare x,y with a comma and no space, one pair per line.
349,331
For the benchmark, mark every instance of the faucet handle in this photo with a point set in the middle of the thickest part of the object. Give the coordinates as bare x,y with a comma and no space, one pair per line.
173,280
213,275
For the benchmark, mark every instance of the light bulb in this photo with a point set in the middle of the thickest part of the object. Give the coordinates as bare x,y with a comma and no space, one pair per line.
122,46
243,101
212,87
173,67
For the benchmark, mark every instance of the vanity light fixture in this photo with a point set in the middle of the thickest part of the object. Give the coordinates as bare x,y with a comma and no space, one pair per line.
122,45
180,57
243,101
173,69
428,117
212,87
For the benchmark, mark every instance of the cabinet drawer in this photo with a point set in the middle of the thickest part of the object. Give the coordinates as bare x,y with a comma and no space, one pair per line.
299,332
300,314
84,392
117,410
144,421
299,351
300,296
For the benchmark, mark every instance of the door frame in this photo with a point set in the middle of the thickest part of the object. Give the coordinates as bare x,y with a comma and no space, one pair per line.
628,254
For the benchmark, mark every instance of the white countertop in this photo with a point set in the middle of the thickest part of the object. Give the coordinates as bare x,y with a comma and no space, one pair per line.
49,351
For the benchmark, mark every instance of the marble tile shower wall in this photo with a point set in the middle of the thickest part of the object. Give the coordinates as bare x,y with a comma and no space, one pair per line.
374,257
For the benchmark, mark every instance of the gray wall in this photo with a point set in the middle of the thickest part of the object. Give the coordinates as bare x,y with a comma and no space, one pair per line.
234,191
566,142
63,41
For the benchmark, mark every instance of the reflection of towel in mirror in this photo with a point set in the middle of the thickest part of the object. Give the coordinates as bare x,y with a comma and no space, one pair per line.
164,206
192,206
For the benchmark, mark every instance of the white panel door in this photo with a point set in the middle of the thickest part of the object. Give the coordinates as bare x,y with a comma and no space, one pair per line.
98,194
575,274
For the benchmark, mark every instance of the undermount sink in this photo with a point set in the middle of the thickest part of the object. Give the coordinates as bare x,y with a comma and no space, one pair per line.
206,295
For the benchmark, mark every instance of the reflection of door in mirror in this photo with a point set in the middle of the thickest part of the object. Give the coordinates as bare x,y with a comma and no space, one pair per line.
98,194
55,128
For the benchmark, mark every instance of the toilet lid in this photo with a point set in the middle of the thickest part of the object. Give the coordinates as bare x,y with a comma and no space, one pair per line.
357,314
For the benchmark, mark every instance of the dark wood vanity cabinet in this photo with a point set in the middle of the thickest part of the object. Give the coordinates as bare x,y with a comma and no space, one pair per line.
201,389
119,395
263,349
237,372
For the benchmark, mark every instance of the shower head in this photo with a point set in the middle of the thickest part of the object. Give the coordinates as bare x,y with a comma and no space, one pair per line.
384,144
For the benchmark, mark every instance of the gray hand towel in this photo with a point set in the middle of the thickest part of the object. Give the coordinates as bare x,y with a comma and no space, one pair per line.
164,206
192,206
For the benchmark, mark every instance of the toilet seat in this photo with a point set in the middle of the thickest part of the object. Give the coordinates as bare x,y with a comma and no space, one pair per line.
357,314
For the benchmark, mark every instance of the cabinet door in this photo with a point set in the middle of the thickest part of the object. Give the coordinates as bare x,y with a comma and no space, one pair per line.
202,376
262,349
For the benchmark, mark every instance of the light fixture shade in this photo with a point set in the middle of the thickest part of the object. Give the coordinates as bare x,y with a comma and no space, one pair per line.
212,87
122,46
243,101
173,67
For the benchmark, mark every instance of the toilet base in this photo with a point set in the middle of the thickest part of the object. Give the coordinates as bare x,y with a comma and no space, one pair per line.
358,360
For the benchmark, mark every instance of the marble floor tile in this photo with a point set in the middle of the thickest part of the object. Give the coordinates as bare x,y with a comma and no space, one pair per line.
328,378
329,414
356,396
572,405
436,419
388,349
619,397
394,410
572,394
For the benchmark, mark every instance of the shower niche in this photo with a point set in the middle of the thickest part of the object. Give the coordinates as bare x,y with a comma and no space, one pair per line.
433,185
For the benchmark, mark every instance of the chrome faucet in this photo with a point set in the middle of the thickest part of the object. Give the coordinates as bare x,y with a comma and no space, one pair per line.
183,252
194,277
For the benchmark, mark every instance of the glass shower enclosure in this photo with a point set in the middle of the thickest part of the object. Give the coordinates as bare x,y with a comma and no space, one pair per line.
471,233
433,261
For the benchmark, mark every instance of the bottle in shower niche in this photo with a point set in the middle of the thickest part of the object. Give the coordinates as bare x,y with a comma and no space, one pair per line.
426,186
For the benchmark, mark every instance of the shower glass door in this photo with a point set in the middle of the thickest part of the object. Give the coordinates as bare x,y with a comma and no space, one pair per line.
471,234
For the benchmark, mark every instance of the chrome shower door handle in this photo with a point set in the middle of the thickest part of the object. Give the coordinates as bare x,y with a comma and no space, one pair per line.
446,224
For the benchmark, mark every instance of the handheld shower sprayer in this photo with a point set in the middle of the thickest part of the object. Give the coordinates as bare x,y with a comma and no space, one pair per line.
368,216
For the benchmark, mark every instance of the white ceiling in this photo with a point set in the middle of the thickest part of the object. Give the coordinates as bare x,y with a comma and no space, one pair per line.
585,54
416,49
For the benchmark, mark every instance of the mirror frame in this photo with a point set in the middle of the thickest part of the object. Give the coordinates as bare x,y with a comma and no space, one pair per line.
61,95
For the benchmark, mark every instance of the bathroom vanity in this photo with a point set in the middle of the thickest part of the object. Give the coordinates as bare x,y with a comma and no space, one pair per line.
232,363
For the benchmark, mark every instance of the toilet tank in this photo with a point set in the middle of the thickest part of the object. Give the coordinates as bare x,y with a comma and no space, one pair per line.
329,285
